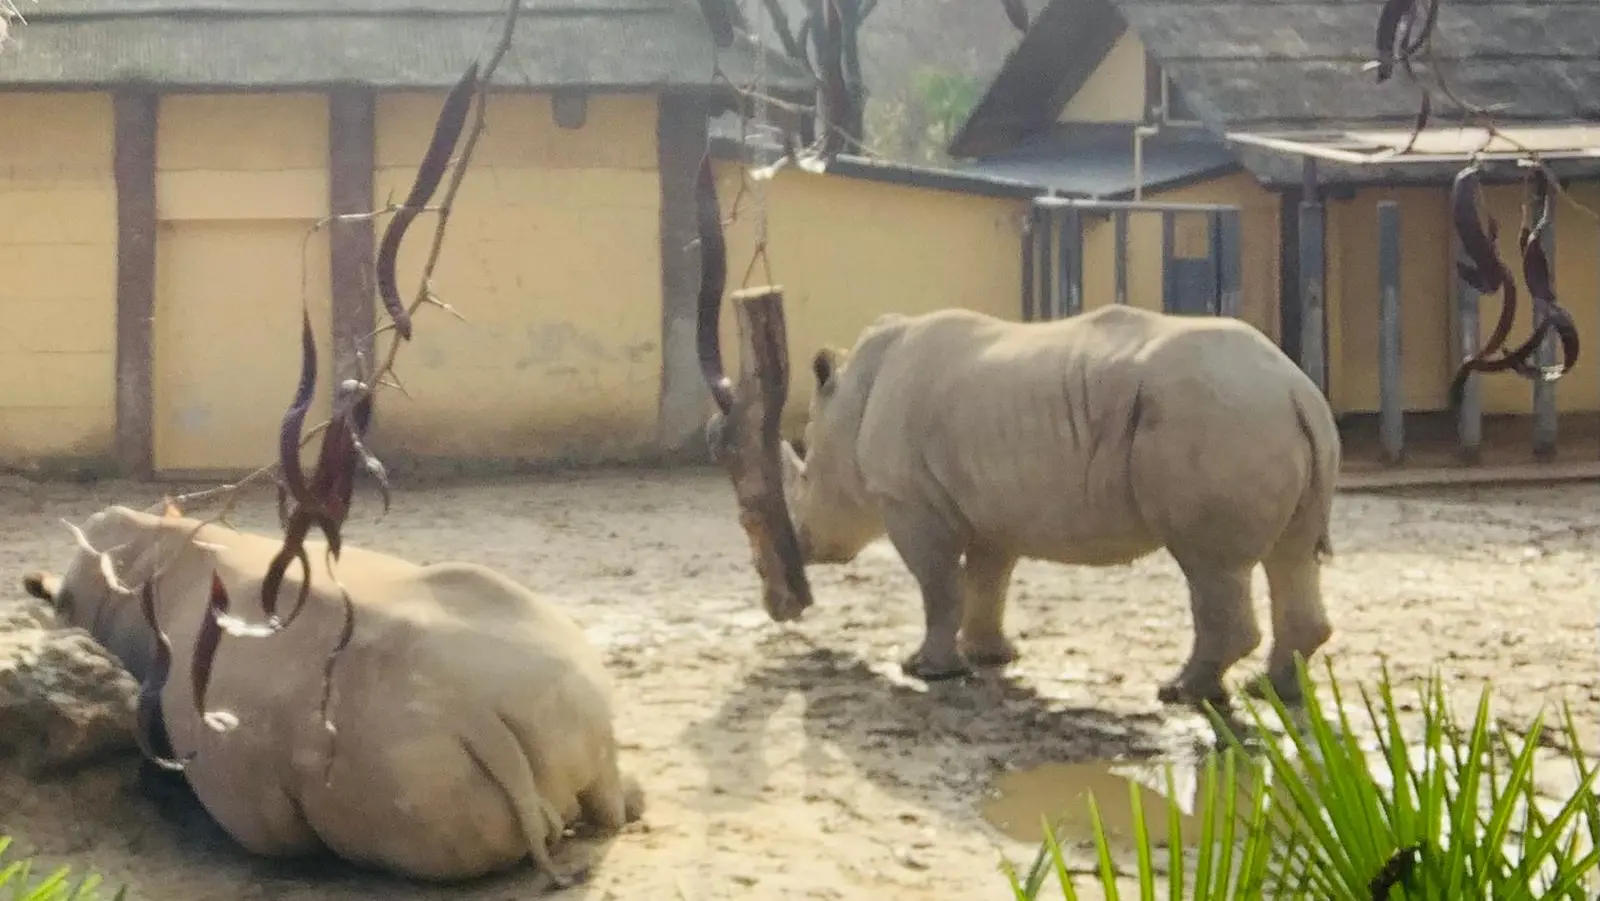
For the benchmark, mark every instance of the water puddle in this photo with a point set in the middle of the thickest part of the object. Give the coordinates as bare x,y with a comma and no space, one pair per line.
1060,792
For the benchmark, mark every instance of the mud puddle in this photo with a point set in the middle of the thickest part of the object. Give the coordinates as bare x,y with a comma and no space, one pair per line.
1019,801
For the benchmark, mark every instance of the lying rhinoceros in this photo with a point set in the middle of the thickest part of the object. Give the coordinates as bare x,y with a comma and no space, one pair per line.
472,718
1095,440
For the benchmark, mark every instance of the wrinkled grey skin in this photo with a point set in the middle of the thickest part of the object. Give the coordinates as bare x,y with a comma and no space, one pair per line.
973,442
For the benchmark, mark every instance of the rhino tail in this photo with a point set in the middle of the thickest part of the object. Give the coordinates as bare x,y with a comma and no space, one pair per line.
500,754
1318,500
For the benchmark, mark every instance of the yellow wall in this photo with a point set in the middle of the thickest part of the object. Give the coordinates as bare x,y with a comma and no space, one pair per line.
1425,299
58,264
240,182
553,258
1427,302
1259,213
847,251
1115,90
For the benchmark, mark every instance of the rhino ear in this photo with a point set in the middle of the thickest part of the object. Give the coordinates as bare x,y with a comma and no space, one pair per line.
824,365
42,585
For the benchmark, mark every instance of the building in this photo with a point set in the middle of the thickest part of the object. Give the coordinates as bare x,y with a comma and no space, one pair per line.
168,162
1267,105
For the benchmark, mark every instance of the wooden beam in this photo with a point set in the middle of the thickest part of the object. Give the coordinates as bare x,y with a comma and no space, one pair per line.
352,157
134,113
1391,371
683,403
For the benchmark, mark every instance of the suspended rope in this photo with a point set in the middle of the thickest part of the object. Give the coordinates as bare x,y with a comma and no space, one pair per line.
757,166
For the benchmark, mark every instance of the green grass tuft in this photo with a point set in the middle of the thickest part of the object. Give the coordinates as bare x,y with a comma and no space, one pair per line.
14,884
1451,816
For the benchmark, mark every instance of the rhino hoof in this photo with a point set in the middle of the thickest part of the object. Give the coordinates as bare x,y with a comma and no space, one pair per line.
1182,692
561,880
1288,689
915,667
1002,653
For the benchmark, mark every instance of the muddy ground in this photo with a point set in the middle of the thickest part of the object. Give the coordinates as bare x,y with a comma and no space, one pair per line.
795,762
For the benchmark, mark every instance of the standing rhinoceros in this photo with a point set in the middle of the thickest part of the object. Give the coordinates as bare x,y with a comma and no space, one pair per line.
1095,440
472,718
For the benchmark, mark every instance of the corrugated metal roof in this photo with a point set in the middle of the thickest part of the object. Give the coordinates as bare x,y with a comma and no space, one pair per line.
615,44
1097,161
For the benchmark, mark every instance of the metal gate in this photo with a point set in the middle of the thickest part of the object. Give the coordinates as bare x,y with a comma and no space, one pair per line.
1196,285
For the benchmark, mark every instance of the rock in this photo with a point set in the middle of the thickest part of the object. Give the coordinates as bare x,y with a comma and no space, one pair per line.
64,700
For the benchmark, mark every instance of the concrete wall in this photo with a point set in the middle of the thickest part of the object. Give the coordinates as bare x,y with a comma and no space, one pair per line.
58,246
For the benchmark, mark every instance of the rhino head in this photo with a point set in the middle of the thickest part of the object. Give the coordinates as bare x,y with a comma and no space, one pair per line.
97,592
824,489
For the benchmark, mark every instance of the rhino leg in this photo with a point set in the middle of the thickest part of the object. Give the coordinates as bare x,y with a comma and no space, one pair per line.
612,801
1299,621
932,554
988,579
1225,632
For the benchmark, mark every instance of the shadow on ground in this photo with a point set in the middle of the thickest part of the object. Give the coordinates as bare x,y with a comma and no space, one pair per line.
932,746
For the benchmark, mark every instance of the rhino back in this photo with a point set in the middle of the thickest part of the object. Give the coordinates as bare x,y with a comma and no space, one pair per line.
1023,432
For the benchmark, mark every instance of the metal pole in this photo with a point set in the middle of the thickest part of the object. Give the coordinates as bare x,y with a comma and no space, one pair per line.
1046,263
1169,286
1391,395
1313,352
1227,246
1469,418
1069,276
1030,228
1120,218
1544,393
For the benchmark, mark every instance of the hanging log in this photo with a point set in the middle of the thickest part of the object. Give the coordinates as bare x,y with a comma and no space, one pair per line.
744,433
752,447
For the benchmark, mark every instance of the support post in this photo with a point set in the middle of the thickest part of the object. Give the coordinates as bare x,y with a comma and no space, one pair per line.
352,157
1169,283
1069,301
1391,395
134,112
1046,291
1544,393
680,144
1313,349
1030,226
1227,246
750,447
1120,230
1469,418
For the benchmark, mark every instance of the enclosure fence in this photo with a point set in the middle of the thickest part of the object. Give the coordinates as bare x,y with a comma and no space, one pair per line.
1204,283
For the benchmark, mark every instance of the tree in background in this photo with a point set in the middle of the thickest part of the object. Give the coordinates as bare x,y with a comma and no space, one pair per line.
925,60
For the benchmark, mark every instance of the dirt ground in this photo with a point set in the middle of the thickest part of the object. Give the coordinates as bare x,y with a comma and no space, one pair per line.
796,762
